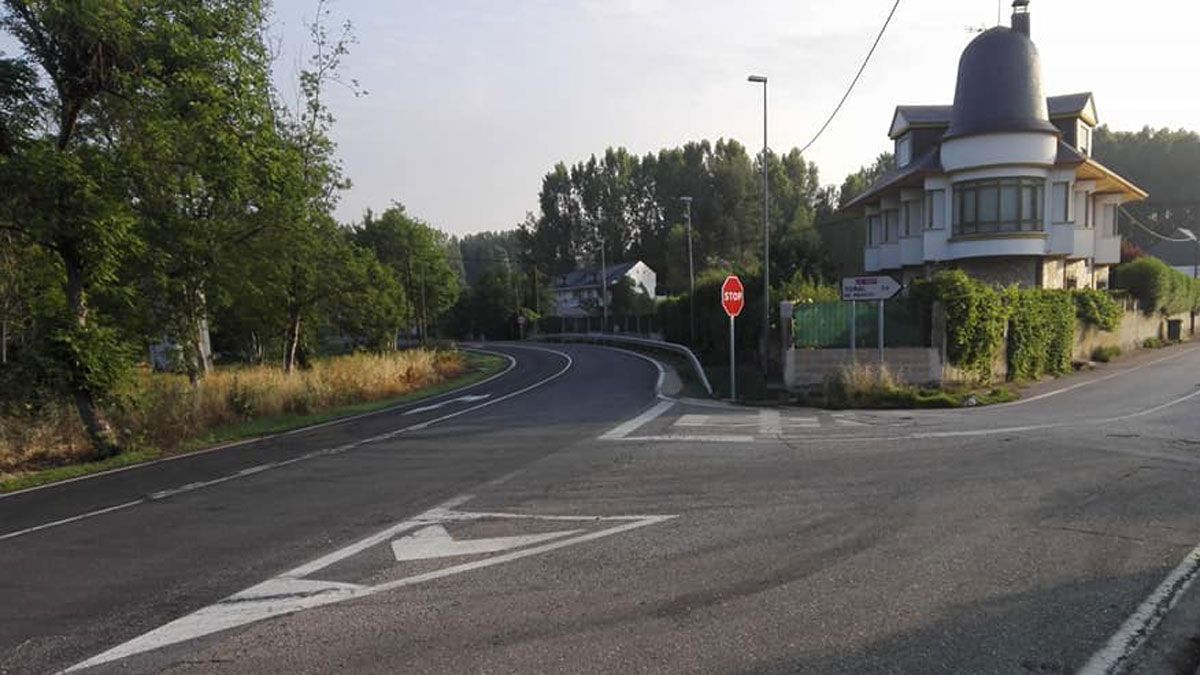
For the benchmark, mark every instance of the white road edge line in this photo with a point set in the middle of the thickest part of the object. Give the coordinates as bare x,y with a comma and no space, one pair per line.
1132,634
190,487
512,363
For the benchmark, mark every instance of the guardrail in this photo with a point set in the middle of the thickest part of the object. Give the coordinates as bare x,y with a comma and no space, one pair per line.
622,340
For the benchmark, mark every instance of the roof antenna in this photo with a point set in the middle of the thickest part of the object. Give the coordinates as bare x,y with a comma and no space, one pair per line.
999,11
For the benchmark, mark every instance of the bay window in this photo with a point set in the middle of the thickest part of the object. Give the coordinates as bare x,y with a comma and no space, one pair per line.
998,205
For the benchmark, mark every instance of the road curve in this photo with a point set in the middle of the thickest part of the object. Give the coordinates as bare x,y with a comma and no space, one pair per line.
187,532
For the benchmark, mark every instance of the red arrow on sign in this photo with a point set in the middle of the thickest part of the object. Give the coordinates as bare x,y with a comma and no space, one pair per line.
733,296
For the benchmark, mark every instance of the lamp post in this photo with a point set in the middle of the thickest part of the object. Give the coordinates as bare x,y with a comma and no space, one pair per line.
603,276
687,205
766,267
1188,234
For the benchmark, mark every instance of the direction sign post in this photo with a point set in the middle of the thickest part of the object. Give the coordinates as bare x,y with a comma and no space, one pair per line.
733,300
878,288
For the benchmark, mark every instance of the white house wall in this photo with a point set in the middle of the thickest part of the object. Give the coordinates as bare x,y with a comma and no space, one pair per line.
973,152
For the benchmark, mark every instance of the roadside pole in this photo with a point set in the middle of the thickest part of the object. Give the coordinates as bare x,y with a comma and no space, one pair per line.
880,302
732,363
733,300
853,331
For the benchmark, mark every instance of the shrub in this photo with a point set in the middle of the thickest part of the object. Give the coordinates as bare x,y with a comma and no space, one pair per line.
1041,331
1153,343
1105,353
1158,288
1097,308
975,319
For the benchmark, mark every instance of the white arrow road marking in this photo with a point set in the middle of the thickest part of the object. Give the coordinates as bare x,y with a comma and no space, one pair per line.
291,591
435,542
460,399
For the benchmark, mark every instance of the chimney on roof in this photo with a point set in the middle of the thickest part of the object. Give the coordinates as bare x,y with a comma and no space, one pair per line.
1020,17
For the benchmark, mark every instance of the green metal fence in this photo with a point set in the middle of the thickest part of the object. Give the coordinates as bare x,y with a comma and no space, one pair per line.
825,325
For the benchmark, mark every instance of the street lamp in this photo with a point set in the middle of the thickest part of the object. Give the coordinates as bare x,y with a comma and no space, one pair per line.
603,285
1191,236
766,327
687,204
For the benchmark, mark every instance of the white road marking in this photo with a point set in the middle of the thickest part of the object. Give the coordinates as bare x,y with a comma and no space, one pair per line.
290,592
692,421
1137,628
622,430
72,519
770,422
325,452
680,438
433,541
803,422
443,404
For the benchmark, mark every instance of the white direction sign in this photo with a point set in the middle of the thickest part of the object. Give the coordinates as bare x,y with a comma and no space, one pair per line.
424,537
880,287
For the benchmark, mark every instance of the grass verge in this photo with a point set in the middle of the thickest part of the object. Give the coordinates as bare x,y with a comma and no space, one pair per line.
874,387
478,367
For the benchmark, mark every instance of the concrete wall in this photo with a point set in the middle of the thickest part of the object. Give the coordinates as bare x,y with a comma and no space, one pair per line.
1135,328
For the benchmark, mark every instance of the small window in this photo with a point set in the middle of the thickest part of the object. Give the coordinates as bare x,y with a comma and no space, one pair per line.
935,201
873,233
891,223
911,220
1084,134
1062,202
904,151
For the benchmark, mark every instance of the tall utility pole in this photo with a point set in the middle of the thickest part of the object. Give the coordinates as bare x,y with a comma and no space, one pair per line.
764,339
687,205
603,276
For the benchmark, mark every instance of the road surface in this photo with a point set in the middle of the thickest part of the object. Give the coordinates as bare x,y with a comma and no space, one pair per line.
565,517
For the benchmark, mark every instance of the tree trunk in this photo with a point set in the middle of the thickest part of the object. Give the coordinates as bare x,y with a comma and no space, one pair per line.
4,340
104,440
293,341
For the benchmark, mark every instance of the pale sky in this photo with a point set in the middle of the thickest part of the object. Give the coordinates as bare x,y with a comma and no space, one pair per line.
471,102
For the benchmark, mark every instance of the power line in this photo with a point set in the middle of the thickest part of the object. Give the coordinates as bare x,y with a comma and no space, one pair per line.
1137,222
855,80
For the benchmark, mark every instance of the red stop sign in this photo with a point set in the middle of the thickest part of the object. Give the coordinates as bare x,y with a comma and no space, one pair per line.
733,296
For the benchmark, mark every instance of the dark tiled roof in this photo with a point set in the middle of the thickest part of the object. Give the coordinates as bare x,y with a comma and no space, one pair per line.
926,114
1069,104
1068,155
927,163
999,87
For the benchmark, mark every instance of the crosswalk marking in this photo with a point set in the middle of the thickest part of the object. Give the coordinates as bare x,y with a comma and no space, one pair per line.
765,422
770,422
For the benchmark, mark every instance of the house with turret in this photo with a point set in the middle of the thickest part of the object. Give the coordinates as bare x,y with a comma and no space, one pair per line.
1002,184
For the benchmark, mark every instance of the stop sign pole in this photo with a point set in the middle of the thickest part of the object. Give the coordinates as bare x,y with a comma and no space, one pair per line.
733,299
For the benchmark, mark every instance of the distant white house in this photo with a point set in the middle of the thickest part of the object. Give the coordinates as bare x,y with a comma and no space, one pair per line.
577,294
1002,184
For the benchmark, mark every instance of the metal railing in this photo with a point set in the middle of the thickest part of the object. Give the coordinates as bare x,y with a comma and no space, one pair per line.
624,340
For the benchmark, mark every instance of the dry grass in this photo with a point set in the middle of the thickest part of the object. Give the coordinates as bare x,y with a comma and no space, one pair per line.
164,412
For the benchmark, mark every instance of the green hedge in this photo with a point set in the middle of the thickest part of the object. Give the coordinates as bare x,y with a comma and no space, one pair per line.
1097,308
1040,324
1159,288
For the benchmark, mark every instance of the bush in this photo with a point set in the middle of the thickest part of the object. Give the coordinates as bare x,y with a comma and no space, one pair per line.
1153,343
1097,308
1105,353
1041,331
873,386
975,319
1159,288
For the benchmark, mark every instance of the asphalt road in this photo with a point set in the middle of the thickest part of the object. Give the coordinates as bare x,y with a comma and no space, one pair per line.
564,518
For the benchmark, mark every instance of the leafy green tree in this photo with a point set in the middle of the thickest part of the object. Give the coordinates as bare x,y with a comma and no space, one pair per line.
417,256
